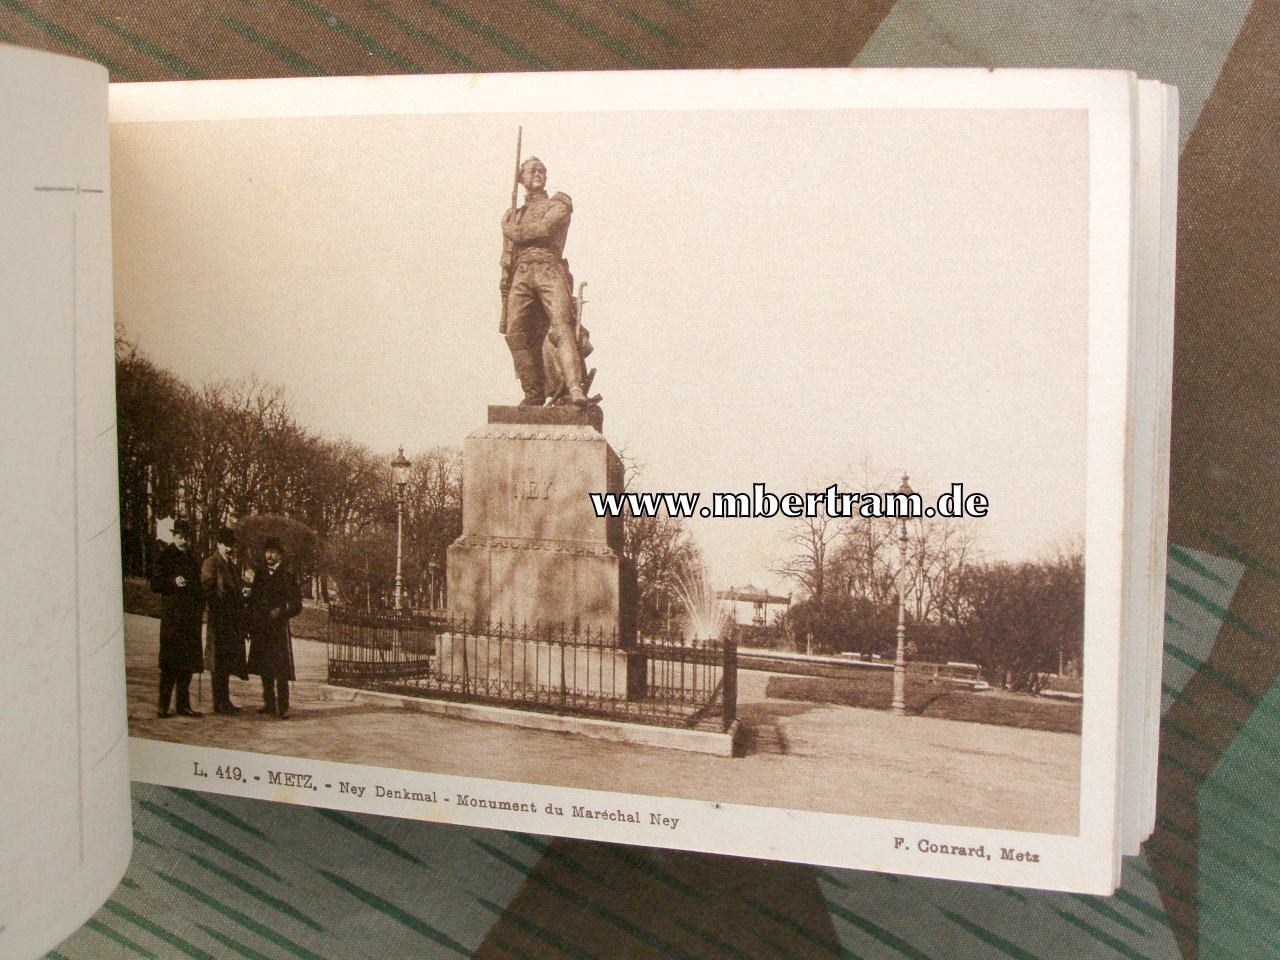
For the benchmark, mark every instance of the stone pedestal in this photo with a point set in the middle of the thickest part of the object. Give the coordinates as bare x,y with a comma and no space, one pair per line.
532,550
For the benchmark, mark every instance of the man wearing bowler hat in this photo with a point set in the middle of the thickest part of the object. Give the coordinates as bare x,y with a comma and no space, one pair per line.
176,577
274,598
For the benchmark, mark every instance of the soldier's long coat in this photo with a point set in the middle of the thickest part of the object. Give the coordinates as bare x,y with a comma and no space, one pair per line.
273,600
228,616
181,610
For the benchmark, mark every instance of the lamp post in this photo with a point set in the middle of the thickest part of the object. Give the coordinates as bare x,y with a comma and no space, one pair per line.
435,603
899,704
400,477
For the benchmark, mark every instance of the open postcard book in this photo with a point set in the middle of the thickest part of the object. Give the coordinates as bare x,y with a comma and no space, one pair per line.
763,463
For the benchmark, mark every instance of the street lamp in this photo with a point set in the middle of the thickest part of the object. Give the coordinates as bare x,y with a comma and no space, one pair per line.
400,477
899,704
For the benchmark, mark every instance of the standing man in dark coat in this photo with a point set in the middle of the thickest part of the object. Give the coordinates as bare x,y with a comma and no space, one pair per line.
274,598
228,619
176,577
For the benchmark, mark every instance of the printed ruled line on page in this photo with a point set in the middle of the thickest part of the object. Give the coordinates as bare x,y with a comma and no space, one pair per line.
76,189
110,750
75,525
114,633
75,466
110,523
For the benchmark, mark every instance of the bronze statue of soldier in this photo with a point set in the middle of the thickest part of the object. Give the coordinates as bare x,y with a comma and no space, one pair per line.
540,320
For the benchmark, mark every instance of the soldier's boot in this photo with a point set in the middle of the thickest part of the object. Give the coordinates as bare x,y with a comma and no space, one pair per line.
571,366
528,364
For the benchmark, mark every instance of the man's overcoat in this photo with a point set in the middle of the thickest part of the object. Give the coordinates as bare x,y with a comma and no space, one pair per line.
274,598
228,615
181,610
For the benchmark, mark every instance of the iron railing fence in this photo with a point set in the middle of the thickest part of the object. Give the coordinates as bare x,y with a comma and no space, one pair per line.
667,682
385,644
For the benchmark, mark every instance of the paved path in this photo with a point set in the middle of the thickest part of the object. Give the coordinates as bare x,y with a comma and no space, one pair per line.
801,756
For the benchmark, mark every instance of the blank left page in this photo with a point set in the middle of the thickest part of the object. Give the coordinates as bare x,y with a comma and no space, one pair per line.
64,778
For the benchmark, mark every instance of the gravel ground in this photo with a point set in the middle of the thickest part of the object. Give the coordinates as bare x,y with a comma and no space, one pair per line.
805,756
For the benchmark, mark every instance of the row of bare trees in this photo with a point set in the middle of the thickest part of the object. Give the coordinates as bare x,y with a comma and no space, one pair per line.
232,448
1019,621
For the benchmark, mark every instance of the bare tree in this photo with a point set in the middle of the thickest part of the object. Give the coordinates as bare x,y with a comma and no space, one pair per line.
660,551
864,561
154,428
346,488
808,546
433,518
867,560
364,567
939,550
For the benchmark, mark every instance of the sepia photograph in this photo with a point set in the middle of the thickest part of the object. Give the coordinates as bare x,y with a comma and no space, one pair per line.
729,455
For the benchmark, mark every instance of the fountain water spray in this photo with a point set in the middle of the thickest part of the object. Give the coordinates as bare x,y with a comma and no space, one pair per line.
707,617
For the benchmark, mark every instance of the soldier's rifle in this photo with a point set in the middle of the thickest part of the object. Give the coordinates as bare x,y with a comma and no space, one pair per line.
508,252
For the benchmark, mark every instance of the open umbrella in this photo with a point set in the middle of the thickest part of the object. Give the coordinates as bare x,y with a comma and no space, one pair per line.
300,541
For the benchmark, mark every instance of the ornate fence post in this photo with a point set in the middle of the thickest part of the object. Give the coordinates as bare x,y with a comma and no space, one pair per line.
729,676
562,645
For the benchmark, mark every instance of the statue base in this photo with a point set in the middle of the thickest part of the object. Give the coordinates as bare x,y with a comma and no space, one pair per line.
567,415
533,555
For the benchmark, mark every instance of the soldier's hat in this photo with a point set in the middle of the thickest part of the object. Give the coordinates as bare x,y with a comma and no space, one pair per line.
227,536
272,543
183,527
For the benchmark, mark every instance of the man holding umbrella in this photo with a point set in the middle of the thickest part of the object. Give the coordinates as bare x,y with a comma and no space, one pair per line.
274,598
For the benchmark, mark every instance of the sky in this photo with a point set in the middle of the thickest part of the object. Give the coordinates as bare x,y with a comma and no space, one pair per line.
774,296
